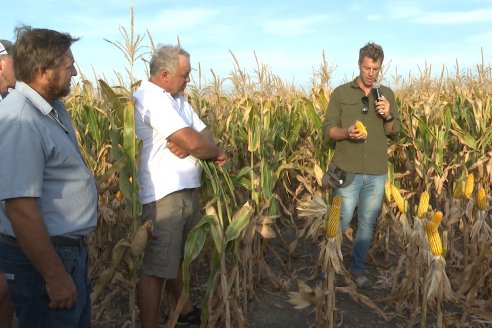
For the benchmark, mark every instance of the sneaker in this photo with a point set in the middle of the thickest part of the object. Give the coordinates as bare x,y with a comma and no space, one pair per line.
361,280
190,319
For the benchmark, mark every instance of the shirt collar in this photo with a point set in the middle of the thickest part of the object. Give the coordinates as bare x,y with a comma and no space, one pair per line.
355,84
39,102
148,85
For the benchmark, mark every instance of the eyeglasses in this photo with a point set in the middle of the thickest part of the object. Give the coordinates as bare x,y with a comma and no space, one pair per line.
3,51
365,104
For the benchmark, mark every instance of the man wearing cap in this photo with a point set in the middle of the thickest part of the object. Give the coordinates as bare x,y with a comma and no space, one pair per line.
49,193
7,81
7,77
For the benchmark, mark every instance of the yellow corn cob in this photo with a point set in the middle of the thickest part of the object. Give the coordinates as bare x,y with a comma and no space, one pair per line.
470,184
423,204
359,126
458,190
436,218
434,239
400,202
387,191
482,199
333,218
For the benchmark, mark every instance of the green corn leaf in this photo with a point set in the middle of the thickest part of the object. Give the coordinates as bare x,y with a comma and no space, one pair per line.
216,231
239,222
193,246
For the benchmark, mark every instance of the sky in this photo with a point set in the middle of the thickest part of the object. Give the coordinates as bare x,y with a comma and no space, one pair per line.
287,36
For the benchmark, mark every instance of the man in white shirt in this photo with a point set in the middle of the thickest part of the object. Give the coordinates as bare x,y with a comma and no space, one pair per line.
174,139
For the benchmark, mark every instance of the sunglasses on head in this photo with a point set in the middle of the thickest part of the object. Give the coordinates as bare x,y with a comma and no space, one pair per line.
365,104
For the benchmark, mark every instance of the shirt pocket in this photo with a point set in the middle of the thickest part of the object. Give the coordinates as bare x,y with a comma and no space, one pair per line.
351,111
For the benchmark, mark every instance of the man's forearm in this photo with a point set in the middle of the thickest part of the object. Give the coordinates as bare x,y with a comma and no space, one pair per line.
207,134
336,133
197,144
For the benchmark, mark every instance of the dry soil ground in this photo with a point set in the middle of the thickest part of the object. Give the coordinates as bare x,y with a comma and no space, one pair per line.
270,307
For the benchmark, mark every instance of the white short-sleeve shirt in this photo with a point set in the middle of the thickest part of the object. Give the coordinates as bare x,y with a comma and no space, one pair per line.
157,116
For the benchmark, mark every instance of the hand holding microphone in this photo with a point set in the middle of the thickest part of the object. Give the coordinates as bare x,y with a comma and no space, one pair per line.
381,104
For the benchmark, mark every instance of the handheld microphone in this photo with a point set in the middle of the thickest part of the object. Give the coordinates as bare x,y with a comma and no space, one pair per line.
376,91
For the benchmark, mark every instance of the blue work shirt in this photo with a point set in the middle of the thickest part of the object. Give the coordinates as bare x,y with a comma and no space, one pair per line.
41,159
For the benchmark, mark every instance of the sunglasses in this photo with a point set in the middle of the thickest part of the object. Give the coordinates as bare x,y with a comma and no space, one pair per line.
365,104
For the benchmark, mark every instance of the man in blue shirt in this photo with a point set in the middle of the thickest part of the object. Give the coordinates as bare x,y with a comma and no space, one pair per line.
7,81
49,193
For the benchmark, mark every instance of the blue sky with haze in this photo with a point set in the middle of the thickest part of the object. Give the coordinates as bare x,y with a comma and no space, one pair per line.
288,36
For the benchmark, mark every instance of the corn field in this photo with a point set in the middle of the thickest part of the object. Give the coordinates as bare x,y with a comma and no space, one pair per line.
433,239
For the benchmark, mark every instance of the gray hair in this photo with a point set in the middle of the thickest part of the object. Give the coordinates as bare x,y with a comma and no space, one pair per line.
165,58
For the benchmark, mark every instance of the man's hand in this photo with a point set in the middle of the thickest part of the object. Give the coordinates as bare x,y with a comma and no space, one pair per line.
61,291
221,159
383,108
176,150
355,134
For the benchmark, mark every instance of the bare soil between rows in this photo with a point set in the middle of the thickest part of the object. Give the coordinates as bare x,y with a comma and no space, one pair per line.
270,305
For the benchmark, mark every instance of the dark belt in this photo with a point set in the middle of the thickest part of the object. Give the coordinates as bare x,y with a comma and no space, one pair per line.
56,240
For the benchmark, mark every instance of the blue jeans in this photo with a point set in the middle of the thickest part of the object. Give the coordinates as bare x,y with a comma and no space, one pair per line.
28,294
368,192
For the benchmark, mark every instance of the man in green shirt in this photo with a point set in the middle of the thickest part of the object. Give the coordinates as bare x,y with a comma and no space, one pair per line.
364,154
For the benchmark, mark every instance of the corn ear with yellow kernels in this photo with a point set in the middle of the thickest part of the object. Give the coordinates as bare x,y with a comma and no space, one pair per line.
434,239
400,202
333,218
119,196
423,205
359,126
482,199
458,190
469,185
387,191
436,218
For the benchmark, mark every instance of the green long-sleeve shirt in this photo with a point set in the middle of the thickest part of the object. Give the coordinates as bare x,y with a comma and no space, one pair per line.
368,156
